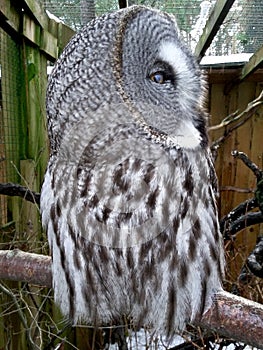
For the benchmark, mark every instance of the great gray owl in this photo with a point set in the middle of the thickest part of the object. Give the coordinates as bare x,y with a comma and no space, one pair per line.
128,199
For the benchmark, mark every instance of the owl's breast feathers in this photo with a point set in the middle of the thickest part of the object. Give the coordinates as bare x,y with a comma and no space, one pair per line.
138,227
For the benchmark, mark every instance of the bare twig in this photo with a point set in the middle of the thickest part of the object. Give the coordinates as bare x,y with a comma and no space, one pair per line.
230,316
7,291
252,106
244,277
236,189
240,118
239,217
229,131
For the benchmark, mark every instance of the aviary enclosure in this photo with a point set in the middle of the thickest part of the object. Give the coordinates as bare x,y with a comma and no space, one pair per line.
227,36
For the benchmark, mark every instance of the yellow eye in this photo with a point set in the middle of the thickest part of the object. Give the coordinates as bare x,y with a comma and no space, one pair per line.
158,77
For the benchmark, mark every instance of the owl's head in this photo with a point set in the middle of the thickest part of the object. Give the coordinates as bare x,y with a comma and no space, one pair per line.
157,75
133,56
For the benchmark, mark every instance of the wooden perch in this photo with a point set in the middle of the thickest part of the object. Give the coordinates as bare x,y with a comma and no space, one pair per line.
16,265
237,318
230,316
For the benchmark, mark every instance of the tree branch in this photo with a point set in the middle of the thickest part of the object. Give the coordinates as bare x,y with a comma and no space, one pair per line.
242,222
255,259
252,166
235,214
16,265
215,145
230,316
239,217
11,189
237,318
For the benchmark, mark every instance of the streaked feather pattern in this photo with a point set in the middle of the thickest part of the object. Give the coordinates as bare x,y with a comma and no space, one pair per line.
128,199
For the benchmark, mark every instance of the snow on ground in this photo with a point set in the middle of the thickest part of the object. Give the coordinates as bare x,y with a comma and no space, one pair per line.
141,341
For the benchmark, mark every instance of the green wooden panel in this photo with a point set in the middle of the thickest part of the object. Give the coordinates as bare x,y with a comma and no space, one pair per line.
255,62
30,30
49,44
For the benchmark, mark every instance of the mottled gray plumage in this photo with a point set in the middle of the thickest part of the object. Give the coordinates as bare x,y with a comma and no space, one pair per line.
128,199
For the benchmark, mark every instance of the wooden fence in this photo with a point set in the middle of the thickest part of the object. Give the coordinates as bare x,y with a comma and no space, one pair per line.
237,183
29,42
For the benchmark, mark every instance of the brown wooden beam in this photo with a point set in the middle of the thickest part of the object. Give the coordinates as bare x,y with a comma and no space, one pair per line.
216,18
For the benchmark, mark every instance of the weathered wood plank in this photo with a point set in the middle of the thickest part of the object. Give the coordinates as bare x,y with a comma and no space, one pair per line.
37,27
5,9
256,140
246,93
218,113
37,13
49,44
31,30
10,18
213,24
35,84
255,61
228,163
246,239
65,33
232,173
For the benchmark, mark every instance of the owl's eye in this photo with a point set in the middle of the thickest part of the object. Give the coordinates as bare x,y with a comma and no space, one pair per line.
158,77
162,73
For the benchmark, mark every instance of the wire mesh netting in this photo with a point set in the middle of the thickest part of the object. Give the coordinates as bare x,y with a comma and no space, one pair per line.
241,32
10,87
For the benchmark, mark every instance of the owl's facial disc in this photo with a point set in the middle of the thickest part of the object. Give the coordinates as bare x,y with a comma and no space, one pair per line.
188,81
159,79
